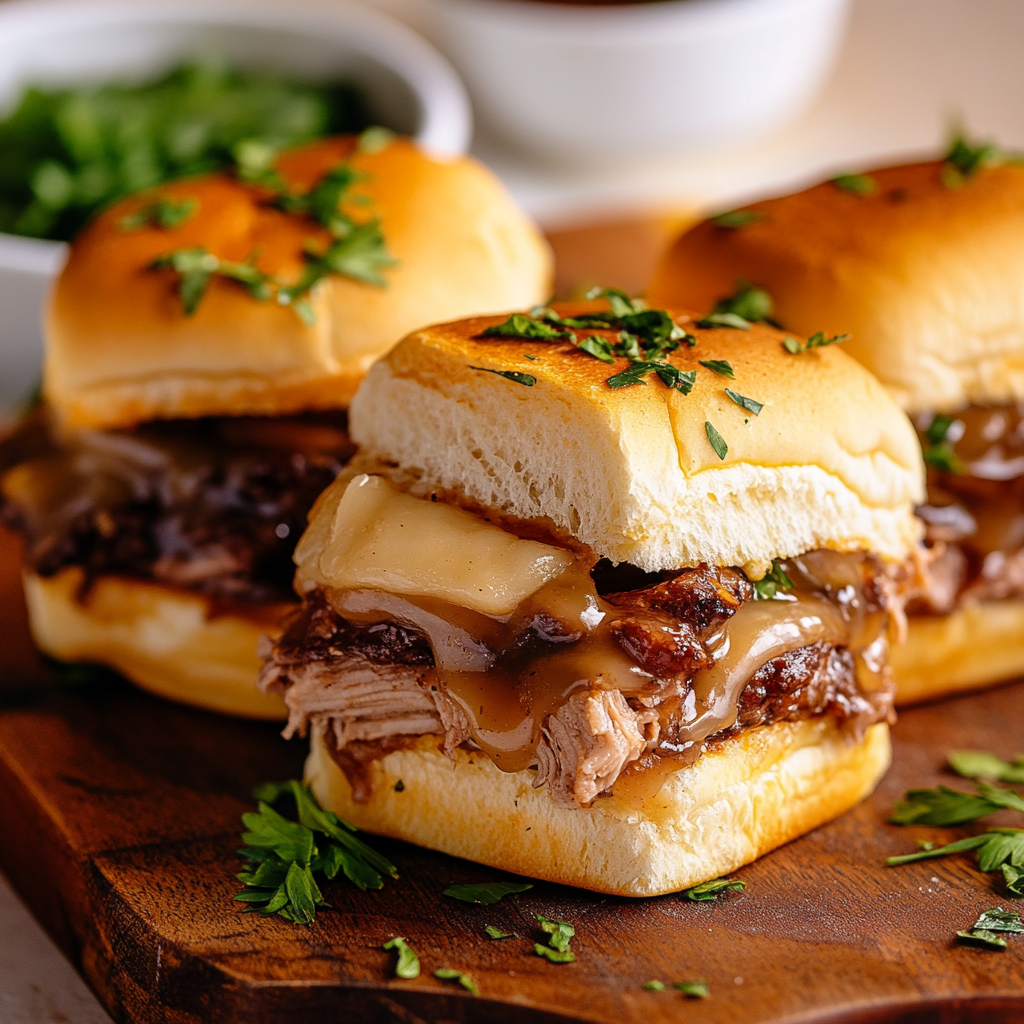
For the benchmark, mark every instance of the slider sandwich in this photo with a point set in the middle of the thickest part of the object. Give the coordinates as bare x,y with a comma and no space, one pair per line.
605,597
923,265
203,343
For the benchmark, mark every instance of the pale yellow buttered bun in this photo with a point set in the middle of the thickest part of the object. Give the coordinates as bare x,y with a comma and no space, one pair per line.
171,642
741,799
830,461
928,279
121,349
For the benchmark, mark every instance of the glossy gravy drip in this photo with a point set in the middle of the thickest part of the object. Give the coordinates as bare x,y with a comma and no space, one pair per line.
508,674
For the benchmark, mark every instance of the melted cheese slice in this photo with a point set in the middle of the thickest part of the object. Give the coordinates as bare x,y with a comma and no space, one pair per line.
382,539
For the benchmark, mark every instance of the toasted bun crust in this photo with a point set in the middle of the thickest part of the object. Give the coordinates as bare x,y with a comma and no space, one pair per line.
928,279
974,647
166,641
830,462
737,802
121,349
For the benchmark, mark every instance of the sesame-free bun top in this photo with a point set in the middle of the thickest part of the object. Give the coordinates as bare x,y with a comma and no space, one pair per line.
830,461
120,348
928,279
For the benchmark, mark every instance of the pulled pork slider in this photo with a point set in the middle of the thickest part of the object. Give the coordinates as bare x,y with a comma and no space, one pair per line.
924,265
605,596
203,342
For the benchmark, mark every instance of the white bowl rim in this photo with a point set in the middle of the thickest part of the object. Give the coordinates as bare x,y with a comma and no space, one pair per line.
685,16
446,126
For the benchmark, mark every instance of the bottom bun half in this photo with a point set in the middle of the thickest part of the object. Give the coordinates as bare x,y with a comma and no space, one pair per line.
748,796
167,641
976,646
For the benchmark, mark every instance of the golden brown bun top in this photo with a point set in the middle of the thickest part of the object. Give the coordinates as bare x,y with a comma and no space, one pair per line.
928,279
830,461
121,349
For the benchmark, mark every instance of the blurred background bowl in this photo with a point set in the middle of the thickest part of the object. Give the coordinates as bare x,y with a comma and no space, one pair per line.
578,84
407,86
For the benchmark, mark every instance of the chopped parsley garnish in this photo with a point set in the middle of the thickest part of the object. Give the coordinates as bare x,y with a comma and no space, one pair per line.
196,266
964,159
693,989
766,588
526,379
986,930
856,184
486,892
939,452
289,854
599,348
654,985
450,974
712,890
745,403
720,366
980,764
519,325
724,320
748,303
408,965
161,213
716,440
497,933
355,250
794,347
559,935
733,219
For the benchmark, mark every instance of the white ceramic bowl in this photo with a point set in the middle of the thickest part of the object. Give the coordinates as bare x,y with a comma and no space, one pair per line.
408,85
579,84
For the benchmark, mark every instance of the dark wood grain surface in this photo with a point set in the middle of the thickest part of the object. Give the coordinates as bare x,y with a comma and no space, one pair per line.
119,816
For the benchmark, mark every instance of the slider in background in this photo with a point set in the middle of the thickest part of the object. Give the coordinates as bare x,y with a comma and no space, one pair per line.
923,264
620,617
203,342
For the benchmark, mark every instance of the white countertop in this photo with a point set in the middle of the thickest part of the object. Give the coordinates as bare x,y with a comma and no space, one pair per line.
907,69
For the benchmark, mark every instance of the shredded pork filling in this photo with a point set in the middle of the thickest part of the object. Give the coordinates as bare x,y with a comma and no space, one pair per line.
368,688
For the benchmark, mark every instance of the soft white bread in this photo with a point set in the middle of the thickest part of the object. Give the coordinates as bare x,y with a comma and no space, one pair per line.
170,642
121,349
975,646
738,801
830,462
928,279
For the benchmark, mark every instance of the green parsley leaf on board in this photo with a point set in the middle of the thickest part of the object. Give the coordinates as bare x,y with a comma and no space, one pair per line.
450,974
716,440
980,764
862,185
945,806
768,587
519,325
720,366
526,379
559,934
983,939
408,965
749,404
654,985
794,347
497,933
693,989
1013,877
288,855
713,890
733,219
161,213
486,892
997,919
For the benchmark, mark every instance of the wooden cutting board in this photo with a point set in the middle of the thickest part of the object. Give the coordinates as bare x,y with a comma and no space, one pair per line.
119,815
